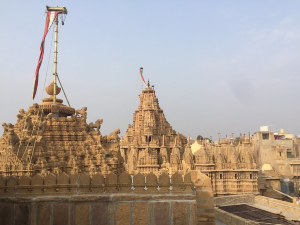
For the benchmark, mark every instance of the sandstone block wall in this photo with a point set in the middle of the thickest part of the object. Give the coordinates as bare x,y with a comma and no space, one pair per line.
100,209
123,199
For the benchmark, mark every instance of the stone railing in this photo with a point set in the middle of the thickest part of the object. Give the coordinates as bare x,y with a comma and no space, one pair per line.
288,209
234,200
82,184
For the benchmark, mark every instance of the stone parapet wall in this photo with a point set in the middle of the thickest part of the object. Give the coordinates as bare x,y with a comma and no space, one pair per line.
172,199
293,209
83,184
116,209
234,200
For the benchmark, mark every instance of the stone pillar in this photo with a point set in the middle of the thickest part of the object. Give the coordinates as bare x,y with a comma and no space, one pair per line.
204,198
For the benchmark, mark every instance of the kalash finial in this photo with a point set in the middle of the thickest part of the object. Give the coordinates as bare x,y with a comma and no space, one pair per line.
148,83
50,89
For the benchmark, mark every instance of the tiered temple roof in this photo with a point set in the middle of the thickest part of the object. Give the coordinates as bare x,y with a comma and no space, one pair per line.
56,138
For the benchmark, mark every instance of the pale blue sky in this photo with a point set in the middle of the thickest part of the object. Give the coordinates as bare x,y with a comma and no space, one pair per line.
217,66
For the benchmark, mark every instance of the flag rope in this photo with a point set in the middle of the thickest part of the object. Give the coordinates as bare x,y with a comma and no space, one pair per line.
31,97
59,30
33,149
130,108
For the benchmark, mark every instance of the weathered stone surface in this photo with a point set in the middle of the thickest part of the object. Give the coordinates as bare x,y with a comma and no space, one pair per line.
32,213
100,213
90,198
15,199
139,183
194,213
50,179
60,214
63,178
97,180
140,214
173,197
111,182
164,183
151,209
51,199
117,198
162,213
22,214
72,213
43,214
82,214
123,214
24,180
180,212
112,213
125,182
151,183
6,211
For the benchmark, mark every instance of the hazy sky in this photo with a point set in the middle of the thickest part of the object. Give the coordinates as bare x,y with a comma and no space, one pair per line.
217,66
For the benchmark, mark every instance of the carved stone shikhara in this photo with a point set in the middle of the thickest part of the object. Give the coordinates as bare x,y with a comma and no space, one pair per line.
151,145
40,143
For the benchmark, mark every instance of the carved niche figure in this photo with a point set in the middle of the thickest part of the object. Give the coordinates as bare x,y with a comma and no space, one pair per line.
81,112
5,127
21,114
96,125
11,137
113,136
33,110
49,116
42,125
31,141
28,124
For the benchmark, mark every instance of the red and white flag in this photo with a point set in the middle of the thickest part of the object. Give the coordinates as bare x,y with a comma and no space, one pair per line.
143,79
49,20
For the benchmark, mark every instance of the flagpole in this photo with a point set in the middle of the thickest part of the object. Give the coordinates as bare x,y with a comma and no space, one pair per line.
141,72
55,59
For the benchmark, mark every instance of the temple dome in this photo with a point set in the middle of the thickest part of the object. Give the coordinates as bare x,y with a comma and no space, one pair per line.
266,167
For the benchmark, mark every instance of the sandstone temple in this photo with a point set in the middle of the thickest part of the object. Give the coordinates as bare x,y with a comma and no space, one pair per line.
57,168
42,143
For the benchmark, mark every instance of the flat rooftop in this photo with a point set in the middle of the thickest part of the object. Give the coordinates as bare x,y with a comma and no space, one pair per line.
257,215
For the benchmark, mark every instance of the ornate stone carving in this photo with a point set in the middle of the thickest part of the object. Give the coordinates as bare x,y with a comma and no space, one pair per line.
112,136
82,112
96,125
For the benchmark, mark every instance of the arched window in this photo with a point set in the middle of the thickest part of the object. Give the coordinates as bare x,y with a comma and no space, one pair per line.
250,176
235,176
221,177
